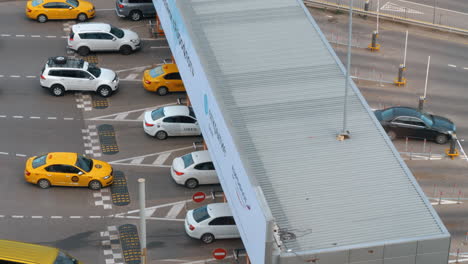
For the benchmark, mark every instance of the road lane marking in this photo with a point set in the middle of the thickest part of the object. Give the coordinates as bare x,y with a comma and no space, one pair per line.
137,161
20,155
34,117
68,118
35,36
175,210
1,76
4,153
94,216
3,116
432,7
17,116
131,76
465,68
17,216
56,217
5,35
30,76
160,47
15,76
51,36
453,66
75,216
52,117
20,36
162,158
37,216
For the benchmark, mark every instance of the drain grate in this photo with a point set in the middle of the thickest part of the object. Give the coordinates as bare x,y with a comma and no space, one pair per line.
119,190
107,139
130,244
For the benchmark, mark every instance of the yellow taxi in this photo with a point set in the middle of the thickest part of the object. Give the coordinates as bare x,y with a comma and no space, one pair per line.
163,79
68,169
43,10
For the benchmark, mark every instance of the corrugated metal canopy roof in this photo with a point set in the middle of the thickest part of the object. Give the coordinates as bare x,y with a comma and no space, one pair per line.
282,91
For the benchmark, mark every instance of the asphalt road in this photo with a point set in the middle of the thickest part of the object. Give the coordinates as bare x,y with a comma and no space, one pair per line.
455,5
32,121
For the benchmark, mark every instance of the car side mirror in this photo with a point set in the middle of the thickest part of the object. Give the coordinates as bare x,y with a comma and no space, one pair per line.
80,173
70,7
114,39
91,78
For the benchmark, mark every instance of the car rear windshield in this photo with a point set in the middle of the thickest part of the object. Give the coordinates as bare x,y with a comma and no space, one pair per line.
35,3
156,72
39,161
117,32
73,3
63,258
201,214
188,160
94,70
157,114
84,163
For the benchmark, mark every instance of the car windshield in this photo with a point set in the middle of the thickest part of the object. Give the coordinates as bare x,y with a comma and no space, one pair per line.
427,118
156,72
73,3
39,161
188,160
84,163
192,113
94,70
35,3
117,32
63,258
201,214
157,114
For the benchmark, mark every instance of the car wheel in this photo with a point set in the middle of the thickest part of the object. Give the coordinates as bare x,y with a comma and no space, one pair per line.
125,50
57,90
43,183
161,135
207,238
391,134
82,17
83,51
95,185
135,15
104,91
441,139
41,18
191,183
162,91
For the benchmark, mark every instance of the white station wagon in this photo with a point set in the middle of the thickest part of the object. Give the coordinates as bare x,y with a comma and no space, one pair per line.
193,169
210,222
174,120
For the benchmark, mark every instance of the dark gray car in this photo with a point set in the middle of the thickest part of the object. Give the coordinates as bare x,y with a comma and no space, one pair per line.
135,9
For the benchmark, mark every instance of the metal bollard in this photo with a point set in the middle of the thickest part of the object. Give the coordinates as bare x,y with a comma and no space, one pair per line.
421,103
374,46
452,146
366,8
400,79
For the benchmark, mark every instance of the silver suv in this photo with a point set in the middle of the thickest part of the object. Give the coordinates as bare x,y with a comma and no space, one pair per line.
135,9
62,74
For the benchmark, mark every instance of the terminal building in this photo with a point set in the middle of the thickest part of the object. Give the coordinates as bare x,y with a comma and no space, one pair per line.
268,92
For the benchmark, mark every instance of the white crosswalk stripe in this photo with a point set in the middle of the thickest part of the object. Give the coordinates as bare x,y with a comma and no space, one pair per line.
175,210
161,158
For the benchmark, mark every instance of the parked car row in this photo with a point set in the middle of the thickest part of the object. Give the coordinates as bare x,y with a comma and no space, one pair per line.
44,10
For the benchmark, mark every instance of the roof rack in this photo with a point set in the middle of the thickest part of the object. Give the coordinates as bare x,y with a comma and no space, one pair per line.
65,62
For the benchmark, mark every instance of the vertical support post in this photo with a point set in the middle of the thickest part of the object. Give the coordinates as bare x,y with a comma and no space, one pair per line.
452,146
427,76
378,12
344,132
406,48
458,201
424,146
440,196
434,15
366,8
142,199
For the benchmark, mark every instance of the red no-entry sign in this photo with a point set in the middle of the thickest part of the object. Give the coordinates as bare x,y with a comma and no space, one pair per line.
219,253
198,197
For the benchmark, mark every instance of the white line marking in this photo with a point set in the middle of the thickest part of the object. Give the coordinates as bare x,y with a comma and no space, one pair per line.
64,37
51,36
5,35
1,76
37,216
30,76
161,47
20,155
52,117
68,118
140,68
432,7
2,216
35,36
4,153
35,117
19,35
75,216
453,66
465,68
17,216
137,161
94,216
112,116
149,155
121,116
15,76
142,116
56,217
2,115
162,158
131,76
17,116
175,210
105,9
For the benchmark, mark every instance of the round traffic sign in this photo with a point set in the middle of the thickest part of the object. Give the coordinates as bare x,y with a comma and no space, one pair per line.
198,197
219,253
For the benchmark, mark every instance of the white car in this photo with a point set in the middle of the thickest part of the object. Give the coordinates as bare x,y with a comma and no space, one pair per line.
210,222
61,74
174,120
87,37
193,169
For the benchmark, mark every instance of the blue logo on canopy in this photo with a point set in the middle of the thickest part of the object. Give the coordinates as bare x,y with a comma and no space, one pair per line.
205,103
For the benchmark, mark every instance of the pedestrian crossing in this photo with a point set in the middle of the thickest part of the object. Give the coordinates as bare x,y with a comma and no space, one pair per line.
136,115
159,159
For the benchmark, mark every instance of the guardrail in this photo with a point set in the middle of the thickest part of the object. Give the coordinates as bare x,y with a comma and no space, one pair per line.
360,11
